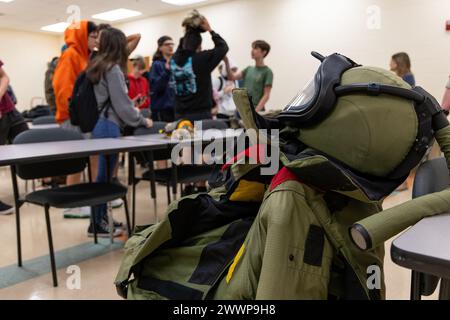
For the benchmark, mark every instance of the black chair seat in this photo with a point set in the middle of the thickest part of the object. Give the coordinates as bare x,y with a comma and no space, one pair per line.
185,174
81,195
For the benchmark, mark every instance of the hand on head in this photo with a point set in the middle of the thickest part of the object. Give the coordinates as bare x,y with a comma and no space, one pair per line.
205,25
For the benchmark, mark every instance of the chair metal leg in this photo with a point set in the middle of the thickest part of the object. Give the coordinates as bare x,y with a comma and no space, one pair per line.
169,200
18,234
415,286
174,181
133,204
110,222
94,225
127,216
444,292
155,209
50,245
17,204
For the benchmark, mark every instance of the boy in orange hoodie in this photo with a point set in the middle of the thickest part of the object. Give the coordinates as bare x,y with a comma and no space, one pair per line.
81,40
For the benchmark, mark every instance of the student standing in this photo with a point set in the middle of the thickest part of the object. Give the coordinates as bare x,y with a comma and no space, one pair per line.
401,65
139,90
11,123
224,90
162,94
257,79
48,84
191,73
107,71
81,41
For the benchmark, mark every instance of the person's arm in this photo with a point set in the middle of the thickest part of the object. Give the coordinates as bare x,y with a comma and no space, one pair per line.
232,76
446,99
268,82
264,99
159,77
122,105
4,82
63,82
216,55
133,41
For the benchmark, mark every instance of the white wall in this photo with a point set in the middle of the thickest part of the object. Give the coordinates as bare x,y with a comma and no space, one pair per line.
25,56
296,27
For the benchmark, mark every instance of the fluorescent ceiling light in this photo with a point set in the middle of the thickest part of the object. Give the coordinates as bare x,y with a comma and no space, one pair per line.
182,2
57,27
115,15
6,1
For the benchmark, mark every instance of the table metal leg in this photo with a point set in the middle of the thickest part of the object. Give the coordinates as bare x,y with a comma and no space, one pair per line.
109,206
444,292
415,286
151,166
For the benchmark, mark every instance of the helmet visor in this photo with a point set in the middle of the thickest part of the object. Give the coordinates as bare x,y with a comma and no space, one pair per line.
305,98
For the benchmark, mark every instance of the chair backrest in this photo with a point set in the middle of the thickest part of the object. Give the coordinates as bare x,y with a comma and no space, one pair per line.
157,127
51,168
214,124
432,176
143,157
44,120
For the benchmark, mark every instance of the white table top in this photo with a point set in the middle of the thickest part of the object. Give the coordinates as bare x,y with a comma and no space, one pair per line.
425,247
203,136
48,151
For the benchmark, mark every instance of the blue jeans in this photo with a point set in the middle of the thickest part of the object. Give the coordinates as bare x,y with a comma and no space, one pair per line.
104,129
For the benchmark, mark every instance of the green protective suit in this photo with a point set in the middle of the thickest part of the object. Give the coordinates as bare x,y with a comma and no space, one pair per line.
288,236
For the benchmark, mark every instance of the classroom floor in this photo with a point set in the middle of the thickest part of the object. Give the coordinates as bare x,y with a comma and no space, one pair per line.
99,264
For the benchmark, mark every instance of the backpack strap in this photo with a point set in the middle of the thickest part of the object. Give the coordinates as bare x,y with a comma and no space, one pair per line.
221,84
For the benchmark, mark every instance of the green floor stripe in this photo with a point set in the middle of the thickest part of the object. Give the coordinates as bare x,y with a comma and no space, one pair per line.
12,275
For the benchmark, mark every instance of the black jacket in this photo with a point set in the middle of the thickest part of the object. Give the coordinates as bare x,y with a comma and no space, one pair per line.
204,62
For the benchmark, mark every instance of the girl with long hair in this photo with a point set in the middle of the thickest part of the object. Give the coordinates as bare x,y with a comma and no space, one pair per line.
107,72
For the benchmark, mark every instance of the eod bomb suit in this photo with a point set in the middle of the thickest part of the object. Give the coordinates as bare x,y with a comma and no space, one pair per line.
314,230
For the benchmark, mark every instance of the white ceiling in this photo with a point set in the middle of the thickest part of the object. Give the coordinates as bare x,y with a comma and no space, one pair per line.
31,15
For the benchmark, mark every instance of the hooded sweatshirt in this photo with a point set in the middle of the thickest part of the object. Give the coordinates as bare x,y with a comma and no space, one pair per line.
72,62
204,63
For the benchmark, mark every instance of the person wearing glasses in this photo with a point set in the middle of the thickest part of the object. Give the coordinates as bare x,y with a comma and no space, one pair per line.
162,94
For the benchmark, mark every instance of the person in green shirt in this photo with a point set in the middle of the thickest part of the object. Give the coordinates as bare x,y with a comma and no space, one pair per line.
258,80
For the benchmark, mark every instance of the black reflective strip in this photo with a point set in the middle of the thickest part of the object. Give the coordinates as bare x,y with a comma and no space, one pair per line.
169,289
216,256
375,188
314,246
202,214
331,177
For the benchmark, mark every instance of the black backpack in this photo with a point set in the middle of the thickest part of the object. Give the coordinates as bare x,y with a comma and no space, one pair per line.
84,110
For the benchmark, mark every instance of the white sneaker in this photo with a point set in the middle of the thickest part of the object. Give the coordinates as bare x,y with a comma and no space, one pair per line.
117,203
77,213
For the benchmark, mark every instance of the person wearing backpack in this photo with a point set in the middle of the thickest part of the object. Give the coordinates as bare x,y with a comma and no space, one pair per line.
107,74
81,41
191,72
